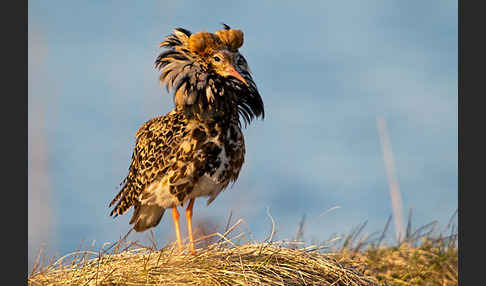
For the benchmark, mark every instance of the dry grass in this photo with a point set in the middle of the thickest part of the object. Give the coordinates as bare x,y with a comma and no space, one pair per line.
426,256
429,264
354,260
248,264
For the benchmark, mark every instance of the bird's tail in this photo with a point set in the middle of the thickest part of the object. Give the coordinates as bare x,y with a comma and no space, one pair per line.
146,216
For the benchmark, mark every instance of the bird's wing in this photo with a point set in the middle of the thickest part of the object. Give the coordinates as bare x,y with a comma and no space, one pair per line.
155,152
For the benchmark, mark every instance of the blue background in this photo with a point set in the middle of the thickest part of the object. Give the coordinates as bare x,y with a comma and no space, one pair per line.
325,70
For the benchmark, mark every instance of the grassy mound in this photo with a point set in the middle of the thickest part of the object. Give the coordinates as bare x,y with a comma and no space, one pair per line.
249,264
419,259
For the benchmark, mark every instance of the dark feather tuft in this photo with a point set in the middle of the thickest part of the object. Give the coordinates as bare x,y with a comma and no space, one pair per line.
182,30
226,27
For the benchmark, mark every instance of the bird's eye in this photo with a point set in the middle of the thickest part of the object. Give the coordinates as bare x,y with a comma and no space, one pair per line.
216,58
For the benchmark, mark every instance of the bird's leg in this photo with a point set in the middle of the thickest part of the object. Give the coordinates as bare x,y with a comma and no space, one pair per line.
189,223
175,216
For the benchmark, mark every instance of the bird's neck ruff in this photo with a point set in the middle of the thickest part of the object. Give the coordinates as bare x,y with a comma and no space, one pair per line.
199,91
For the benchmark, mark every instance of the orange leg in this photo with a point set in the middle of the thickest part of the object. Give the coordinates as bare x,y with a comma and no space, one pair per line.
189,223
175,216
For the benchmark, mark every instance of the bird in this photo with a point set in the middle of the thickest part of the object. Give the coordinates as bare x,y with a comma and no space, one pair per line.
198,148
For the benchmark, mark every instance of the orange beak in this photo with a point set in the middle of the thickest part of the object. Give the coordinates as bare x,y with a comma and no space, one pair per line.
231,71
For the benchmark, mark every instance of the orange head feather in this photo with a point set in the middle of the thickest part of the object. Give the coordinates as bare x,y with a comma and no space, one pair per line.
232,39
204,43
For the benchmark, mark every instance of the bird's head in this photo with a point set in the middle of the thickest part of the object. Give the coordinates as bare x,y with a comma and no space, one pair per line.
218,52
208,74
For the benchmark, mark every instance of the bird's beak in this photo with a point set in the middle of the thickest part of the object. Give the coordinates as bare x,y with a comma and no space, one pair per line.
231,71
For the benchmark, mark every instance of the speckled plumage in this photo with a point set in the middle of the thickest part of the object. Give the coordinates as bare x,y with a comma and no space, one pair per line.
198,148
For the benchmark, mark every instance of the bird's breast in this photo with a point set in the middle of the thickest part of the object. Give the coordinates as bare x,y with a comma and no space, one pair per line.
231,155
224,161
